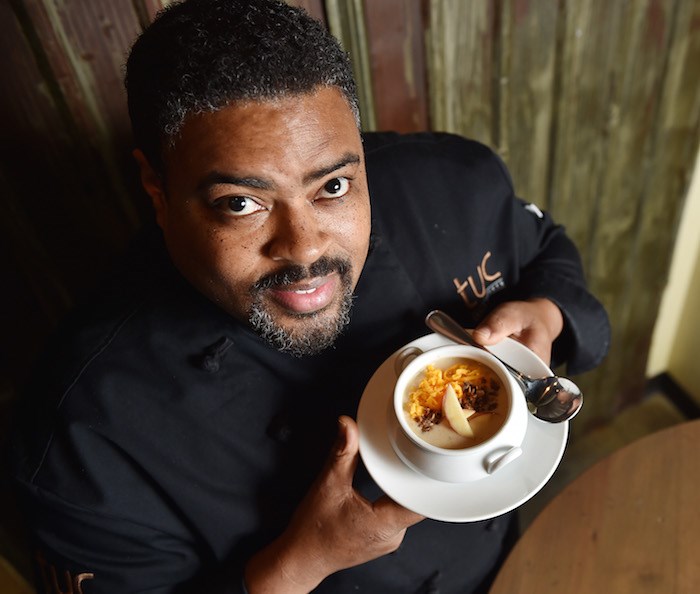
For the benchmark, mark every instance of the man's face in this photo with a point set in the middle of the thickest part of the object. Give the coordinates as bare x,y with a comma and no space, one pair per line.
265,210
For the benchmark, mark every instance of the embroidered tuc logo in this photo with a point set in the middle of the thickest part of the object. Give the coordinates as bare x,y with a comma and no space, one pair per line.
54,583
472,292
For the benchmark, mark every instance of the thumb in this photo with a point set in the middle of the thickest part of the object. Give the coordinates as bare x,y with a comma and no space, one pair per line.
343,458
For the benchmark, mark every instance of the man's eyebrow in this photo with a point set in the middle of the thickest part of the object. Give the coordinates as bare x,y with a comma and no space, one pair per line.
347,159
217,177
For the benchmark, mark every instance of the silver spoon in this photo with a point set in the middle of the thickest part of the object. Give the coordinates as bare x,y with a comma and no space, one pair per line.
553,399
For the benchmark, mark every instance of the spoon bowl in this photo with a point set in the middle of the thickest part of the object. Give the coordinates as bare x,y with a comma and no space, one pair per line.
553,399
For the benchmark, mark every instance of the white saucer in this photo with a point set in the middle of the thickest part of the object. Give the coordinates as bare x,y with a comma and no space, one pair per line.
486,498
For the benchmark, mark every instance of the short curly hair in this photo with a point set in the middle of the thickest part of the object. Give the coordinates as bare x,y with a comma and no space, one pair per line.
201,55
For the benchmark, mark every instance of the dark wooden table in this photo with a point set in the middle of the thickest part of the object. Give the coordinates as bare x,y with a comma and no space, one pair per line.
630,524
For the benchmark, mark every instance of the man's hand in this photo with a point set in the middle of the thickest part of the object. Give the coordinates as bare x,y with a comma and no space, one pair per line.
535,322
332,529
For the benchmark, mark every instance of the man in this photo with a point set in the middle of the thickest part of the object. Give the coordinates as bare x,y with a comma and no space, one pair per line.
195,430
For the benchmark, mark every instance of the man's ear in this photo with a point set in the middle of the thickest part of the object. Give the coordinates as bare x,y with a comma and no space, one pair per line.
153,184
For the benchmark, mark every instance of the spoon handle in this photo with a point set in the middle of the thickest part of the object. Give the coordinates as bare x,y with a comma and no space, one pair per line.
443,324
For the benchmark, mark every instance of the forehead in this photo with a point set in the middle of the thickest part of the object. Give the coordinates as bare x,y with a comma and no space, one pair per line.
267,134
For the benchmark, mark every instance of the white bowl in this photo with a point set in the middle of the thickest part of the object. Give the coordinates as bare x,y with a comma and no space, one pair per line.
469,463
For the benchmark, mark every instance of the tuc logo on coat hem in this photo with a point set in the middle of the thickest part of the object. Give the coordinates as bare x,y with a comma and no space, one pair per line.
60,582
474,292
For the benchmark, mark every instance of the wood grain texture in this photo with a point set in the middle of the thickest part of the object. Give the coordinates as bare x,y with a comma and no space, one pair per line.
575,106
629,525
346,21
596,170
667,175
395,31
147,10
594,106
526,87
70,183
86,44
35,289
461,68
624,218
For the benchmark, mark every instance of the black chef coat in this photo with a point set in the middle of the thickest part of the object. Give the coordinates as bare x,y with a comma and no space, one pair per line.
164,442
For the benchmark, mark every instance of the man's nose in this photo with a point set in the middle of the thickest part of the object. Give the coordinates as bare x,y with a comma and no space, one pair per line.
298,236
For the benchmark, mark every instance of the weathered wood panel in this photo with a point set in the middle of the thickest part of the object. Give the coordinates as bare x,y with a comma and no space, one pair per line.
575,105
461,42
70,185
587,195
612,137
34,291
395,30
347,22
85,44
526,85
147,10
585,113
670,158
593,105
35,217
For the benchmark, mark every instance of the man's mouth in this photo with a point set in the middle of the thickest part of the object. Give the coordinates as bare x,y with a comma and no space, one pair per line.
306,296
302,310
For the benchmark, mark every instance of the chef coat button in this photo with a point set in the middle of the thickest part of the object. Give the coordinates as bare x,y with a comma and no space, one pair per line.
280,429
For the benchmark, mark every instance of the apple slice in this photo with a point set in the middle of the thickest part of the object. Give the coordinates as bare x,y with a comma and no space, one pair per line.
454,413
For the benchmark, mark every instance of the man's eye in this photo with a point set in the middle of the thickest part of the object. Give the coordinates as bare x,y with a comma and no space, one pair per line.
336,187
239,206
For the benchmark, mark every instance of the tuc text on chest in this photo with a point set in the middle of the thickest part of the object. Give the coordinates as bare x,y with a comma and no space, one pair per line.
480,284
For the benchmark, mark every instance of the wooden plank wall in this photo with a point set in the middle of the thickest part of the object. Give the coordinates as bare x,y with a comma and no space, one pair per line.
593,104
595,107
70,192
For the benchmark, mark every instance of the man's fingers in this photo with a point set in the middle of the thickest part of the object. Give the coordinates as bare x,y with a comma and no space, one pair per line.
394,514
535,323
499,324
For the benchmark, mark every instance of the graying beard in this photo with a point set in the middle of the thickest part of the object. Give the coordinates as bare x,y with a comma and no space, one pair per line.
305,344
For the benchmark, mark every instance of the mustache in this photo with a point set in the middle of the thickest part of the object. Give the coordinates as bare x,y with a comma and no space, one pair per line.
295,273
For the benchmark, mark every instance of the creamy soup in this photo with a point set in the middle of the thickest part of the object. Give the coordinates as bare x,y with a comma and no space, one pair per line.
481,394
